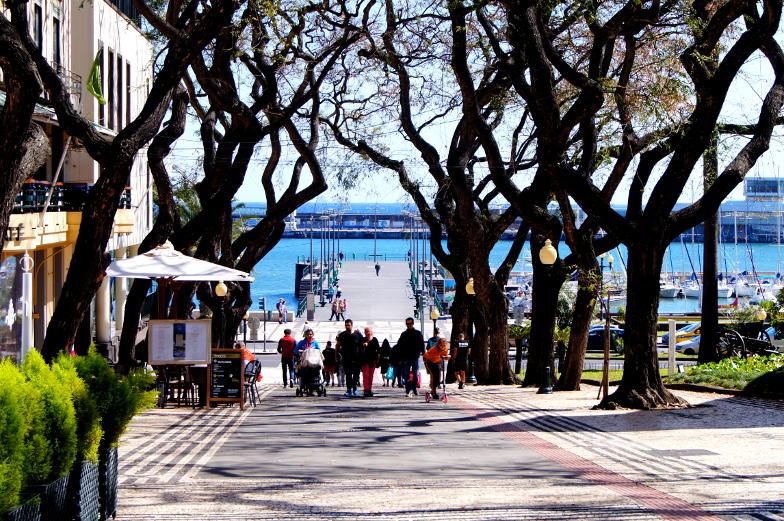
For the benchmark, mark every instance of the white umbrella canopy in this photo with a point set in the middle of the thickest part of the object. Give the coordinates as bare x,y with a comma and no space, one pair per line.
164,262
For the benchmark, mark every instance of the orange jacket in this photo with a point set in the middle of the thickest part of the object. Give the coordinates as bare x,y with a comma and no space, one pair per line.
435,353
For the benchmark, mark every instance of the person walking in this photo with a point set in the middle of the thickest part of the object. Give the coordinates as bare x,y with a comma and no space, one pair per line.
341,309
384,363
433,340
286,346
378,269
334,309
330,294
396,363
411,345
344,305
433,358
460,353
330,363
347,344
369,352
281,305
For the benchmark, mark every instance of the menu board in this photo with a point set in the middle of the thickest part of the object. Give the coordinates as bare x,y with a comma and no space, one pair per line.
226,377
179,341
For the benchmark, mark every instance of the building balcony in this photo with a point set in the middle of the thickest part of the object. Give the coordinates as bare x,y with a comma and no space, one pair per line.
29,228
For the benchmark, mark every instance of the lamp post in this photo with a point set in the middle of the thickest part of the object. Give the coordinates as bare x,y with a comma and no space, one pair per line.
220,291
434,317
604,389
26,264
547,256
471,377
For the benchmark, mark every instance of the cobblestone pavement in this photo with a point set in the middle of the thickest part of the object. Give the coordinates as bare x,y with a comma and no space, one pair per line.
491,453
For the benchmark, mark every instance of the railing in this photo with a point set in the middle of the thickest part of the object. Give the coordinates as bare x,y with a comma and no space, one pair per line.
66,197
72,83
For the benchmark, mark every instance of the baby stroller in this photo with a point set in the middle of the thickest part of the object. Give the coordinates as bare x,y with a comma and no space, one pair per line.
309,367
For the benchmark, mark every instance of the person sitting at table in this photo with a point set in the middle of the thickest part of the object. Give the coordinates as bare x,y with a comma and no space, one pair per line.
247,354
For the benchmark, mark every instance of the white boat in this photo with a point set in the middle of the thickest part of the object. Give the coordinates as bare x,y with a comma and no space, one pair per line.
743,288
692,289
669,289
724,290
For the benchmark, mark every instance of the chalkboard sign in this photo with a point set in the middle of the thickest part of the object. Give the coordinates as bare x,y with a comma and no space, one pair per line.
226,378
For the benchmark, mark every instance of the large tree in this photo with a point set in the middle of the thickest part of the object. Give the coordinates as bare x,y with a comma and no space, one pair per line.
288,53
188,31
406,55
662,167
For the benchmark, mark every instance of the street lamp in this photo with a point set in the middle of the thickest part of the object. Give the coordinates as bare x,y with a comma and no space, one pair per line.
220,291
547,256
471,379
434,317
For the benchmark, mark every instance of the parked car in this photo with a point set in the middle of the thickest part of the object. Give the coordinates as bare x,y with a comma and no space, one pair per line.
687,332
596,338
688,347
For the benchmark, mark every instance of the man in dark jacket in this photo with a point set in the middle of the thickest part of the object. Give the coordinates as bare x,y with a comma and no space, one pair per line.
410,347
347,344
286,347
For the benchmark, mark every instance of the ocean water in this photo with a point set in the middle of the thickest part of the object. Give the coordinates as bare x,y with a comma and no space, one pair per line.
275,273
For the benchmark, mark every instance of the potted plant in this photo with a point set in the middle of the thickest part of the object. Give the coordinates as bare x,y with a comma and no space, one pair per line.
83,496
12,431
118,398
57,425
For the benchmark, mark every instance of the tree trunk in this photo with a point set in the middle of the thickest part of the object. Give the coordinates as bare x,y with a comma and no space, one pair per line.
461,323
490,319
710,303
710,309
641,386
585,303
133,308
23,142
89,261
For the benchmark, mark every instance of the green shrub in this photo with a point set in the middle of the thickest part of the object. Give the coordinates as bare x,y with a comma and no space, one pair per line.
730,373
515,331
770,383
88,423
119,398
12,431
59,423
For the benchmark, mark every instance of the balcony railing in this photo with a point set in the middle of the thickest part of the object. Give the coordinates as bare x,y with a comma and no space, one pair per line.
66,197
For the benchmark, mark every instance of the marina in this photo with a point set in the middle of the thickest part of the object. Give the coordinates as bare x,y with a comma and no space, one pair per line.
275,275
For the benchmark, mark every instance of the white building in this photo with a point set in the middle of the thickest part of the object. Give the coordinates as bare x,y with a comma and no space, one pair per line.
71,33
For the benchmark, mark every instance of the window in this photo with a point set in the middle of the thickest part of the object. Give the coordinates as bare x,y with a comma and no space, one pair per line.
127,93
56,51
119,92
761,186
110,90
38,26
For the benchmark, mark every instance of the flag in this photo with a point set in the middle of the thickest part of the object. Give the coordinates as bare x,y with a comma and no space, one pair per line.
95,78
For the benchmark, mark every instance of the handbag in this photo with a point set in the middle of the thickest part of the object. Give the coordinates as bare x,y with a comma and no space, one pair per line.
390,373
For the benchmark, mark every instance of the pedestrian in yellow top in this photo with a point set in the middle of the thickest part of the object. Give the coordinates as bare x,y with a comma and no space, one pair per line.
433,358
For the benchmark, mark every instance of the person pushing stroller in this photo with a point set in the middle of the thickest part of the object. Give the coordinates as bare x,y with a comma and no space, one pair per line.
310,363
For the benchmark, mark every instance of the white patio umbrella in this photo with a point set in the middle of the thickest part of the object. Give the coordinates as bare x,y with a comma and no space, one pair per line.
164,262
167,265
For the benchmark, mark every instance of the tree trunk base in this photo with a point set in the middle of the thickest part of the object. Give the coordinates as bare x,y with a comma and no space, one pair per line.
624,398
566,387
